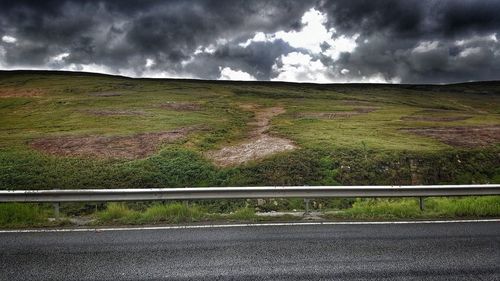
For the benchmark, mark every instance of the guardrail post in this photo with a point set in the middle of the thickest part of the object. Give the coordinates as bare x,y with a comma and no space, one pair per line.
421,203
306,200
56,210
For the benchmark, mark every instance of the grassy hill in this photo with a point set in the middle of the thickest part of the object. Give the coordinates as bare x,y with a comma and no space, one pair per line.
81,130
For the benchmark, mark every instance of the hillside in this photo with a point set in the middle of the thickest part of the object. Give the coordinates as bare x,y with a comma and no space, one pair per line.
81,130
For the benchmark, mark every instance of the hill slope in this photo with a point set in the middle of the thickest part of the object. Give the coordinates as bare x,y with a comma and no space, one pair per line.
79,130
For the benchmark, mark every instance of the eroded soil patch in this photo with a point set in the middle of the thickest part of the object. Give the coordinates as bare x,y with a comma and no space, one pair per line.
109,112
124,147
435,118
181,106
338,114
105,94
19,93
477,136
259,143
436,115
357,102
253,149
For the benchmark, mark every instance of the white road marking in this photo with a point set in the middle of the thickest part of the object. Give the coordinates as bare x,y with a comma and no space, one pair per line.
240,225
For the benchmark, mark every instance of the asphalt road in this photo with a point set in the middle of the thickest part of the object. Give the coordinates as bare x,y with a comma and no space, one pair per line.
451,251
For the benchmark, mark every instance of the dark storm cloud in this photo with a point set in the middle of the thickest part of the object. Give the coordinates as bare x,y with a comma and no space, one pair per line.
118,33
390,30
414,18
409,41
256,58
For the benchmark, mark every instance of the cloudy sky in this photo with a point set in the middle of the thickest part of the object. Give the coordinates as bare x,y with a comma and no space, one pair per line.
383,41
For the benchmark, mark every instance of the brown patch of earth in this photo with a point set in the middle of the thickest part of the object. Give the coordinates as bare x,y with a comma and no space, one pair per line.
248,106
259,143
105,94
435,110
262,120
19,93
114,112
338,114
435,118
356,102
476,136
437,115
181,106
112,147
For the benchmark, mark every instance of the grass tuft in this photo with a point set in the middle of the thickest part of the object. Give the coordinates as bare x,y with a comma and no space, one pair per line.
243,214
172,213
115,212
21,215
383,208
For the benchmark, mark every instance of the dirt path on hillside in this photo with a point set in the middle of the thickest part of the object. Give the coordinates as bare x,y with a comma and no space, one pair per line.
259,143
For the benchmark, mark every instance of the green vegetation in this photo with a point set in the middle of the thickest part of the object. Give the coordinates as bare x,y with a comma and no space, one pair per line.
244,214
14,215
360,141
380,209
19,214
157,213
22,215
71,131
121,213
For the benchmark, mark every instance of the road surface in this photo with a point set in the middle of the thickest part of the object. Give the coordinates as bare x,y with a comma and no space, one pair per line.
437,251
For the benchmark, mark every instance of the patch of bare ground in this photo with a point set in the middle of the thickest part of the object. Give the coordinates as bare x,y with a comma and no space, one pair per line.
105,94
259,143
337,114
356,102
181,106
437,115
19,93
470,137
435,118
435,110
110,147
109,112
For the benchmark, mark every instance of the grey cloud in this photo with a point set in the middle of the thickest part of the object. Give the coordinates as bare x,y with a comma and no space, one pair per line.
168,31
121,35
414,18
446,63
394,28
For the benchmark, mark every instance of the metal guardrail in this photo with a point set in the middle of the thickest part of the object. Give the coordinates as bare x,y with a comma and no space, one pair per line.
189,193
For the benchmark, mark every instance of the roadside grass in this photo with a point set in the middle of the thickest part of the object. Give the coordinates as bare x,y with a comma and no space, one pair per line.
117,212
21,215
157,213
243,214
168,213
488,206
389,209
172,213
361,209
16,215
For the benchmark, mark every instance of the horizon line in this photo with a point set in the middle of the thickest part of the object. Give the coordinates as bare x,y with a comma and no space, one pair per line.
74,72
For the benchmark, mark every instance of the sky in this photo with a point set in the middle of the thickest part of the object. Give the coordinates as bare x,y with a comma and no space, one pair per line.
319,41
